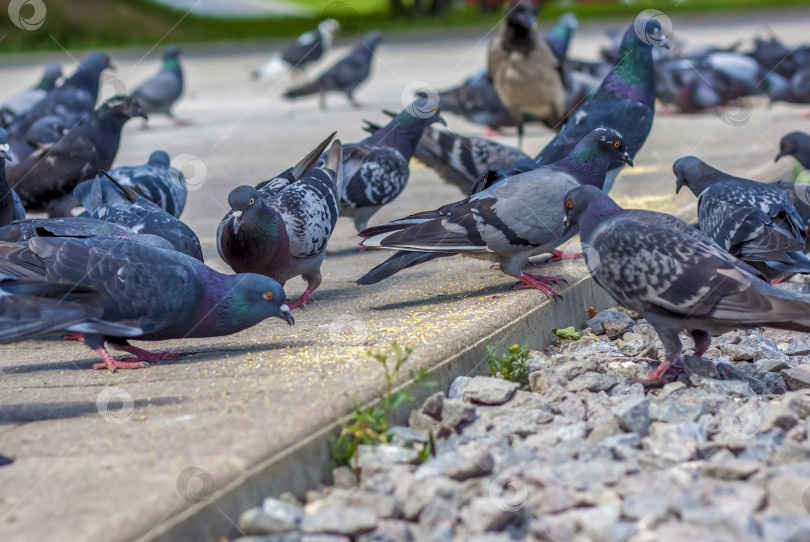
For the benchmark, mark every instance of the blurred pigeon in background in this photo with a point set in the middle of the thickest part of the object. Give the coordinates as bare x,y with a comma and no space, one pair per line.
45,179
159,93
307,49
477,101
797,145
11,207
674,276
157,181
20,103
282,229
345,76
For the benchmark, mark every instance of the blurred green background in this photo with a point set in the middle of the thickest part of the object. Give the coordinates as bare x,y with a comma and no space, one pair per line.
78,24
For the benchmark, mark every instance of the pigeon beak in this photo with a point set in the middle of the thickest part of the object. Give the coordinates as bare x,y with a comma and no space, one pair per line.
442,121
237,221
778,156
112,67
4,152
626,159
286,314
566,225
678,185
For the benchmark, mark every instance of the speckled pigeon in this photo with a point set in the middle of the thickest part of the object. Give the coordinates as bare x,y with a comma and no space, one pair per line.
507,223
158,94
797,145
282,229
152,293
45,180
375,170
477,101
345,76
73,101
308,48
105,199
753,221
11,207
157,181
674,276
20,103
624,101
799,196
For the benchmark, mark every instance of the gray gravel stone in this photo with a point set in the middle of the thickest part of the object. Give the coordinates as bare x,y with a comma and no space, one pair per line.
340,520
633,415
592,382
596,323
797,347
273,517
797,378
389,530
384,455
457,465
485,390
456,413
457,387
677,442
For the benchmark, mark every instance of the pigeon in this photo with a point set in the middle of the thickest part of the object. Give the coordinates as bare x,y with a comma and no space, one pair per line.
507,223
157,181
45,180
477,101
523,69
375,170
11,207
105,199
796,144
150,293
159,93
461,160
20,103
624,101
799,196
674,276
794,89
73,101
281,230
559,37
752,221
345,76
307,49
41,135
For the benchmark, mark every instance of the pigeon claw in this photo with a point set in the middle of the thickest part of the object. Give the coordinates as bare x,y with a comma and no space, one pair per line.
113,364
302,301
144,356
656,378
540,282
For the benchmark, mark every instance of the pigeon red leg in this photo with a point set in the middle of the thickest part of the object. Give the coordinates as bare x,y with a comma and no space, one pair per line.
780,280
557,255
73,337
703,339
489,132
301,301
656,377
542,283
113,364
142,355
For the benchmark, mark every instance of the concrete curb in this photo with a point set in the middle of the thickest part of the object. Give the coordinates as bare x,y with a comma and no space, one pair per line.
303,466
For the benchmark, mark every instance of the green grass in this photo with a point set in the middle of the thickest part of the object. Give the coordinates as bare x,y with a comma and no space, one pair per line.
85,24
511,365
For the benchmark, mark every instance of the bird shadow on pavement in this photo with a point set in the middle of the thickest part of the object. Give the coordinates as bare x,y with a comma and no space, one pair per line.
449,297
37,411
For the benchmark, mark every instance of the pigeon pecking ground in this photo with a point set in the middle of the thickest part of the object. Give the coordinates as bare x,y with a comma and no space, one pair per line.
583,452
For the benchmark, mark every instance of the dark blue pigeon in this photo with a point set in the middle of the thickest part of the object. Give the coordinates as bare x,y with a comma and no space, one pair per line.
506,223
797,145
345,76
10,205
674,276
73,101
753,221
308,48
282,229
477,101
158,94
45,180
375,170
106,200
151,294
20,103
41,135
157,181
624,101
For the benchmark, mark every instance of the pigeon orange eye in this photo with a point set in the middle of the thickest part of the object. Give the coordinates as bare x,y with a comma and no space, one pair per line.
617,144
268,296
568,204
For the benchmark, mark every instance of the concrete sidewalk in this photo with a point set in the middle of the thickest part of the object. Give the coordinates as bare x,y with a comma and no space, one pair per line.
115,457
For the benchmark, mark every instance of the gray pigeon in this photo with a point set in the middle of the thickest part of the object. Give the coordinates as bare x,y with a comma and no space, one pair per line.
797,145
345,76
506,223
752,221
308,48
152,294
105,199
674,276
157,181
20,103
282,229
524,70
11,207
159,93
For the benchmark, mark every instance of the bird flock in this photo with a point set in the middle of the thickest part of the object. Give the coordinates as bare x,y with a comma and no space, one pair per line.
112,261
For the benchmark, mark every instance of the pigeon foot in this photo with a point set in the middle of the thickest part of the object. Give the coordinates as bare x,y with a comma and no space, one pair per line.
656,378
557,255
302,301
540,282
113,364
142,355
